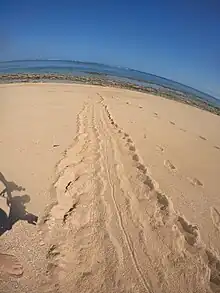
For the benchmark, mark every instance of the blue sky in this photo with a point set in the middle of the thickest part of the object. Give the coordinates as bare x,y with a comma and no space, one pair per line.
177,39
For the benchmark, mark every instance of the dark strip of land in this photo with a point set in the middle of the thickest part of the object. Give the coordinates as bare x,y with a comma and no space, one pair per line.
102,80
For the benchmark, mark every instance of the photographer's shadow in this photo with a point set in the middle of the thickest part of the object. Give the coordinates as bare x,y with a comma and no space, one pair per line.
16,204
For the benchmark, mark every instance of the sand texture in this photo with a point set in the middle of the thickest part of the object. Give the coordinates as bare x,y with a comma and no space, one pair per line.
124,186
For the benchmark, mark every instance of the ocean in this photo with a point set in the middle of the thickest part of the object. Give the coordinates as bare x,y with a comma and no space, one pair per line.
87,68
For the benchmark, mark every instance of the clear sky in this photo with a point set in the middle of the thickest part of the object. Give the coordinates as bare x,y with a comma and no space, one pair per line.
177,39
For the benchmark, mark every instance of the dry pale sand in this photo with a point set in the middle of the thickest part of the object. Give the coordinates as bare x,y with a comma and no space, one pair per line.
125,185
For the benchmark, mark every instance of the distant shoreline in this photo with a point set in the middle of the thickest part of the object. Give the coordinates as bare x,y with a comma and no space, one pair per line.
102,80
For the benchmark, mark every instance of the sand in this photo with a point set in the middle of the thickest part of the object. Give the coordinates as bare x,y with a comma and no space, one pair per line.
124,185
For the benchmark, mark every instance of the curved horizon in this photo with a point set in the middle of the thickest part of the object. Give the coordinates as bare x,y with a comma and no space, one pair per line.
113,66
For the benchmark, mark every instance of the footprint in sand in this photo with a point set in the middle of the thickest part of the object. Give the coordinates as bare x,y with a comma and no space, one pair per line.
182,129
217,147
190,232
132,148
142,168
195,182
129,140
162,213
202,137
162,201
156,115
135,158
215,215
9,264
169,165
214,265
173,123
160,148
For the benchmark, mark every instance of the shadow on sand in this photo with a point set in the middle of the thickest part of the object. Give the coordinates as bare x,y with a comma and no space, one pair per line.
16,204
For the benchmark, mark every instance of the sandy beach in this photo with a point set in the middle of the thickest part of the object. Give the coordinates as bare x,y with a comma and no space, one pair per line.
124,186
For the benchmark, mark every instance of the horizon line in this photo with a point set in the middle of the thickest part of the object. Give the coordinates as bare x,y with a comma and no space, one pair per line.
114,66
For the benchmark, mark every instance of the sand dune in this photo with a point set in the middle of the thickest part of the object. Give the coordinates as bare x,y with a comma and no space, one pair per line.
134,204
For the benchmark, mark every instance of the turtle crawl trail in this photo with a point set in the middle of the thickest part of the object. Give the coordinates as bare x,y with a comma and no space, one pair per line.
109,226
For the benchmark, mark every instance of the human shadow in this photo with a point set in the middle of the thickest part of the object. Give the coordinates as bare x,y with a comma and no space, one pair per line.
16,204
10,186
